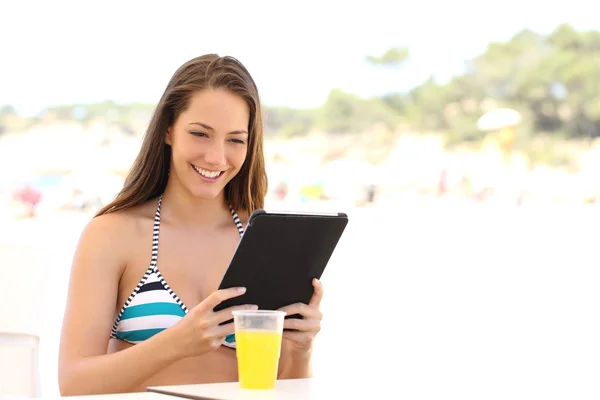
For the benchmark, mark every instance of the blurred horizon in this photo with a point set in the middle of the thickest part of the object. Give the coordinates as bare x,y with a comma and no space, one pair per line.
549,81
82,59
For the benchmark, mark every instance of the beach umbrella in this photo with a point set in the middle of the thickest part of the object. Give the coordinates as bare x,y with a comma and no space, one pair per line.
498,119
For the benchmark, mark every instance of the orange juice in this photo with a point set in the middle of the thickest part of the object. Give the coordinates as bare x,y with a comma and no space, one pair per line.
258,358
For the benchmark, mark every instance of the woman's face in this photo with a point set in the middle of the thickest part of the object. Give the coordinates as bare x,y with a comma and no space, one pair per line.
209,142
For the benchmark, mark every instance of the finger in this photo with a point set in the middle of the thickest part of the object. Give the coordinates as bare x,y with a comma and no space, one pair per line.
297,337
305,310
302,325
226,314
220,331
220,296
317,296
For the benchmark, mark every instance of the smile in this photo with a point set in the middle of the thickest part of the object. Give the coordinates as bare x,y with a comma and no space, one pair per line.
210,175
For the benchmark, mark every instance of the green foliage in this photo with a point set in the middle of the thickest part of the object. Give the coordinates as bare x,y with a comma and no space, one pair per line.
394,57
553,80
107,110
347,113
547,74
6,110
289,122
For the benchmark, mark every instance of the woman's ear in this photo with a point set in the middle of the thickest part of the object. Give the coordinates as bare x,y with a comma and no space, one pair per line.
168,139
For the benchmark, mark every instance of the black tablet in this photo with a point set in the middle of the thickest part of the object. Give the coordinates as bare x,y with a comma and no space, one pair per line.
278,256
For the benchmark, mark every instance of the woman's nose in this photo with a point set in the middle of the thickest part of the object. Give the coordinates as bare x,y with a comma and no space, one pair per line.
215,154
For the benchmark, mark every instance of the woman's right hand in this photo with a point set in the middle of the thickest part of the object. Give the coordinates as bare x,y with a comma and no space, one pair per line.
199,332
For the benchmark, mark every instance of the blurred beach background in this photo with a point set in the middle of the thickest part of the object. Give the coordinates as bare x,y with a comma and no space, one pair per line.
462,141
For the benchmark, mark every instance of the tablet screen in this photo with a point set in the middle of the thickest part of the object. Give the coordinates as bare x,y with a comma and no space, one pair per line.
279,255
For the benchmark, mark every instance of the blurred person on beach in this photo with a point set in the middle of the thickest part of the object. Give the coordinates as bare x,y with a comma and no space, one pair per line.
29,196
198,176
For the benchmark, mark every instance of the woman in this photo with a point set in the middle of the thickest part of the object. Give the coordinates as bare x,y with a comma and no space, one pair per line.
145,272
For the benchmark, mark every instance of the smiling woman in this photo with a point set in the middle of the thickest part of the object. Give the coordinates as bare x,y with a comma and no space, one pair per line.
211,98
137,317
214,153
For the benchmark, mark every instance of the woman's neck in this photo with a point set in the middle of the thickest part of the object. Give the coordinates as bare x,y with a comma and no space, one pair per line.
186,209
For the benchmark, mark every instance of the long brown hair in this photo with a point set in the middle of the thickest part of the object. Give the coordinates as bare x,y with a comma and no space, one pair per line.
149,173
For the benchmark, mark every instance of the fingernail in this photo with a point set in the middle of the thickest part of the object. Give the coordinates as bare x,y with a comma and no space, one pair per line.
253,307
241,289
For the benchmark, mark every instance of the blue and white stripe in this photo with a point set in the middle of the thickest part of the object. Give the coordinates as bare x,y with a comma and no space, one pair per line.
153,306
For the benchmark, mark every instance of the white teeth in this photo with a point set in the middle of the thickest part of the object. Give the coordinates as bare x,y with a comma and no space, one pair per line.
208,174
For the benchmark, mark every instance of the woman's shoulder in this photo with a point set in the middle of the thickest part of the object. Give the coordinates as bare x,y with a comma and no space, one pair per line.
124,224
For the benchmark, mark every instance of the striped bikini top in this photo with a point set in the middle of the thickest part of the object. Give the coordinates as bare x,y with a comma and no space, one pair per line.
153,306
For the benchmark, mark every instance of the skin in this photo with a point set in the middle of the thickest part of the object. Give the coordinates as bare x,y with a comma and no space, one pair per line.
197,239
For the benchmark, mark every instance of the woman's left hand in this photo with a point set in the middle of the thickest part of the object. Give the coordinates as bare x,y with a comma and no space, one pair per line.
302,332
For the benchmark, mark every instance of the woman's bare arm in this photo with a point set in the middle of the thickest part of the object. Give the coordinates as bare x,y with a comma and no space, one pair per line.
84,366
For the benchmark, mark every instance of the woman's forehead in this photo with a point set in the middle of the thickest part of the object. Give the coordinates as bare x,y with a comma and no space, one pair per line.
219,109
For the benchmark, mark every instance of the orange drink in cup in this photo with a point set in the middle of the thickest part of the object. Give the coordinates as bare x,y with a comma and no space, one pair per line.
258,346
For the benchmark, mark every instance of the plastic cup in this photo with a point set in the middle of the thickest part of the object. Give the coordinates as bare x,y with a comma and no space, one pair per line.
258,346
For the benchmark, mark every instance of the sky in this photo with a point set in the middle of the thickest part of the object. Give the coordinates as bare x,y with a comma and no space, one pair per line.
65,52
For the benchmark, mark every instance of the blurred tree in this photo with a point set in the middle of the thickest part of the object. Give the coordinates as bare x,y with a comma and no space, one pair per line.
288,122
348,113
553,79
7,110
394,57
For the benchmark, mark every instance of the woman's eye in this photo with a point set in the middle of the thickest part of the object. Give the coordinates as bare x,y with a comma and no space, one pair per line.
196,133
